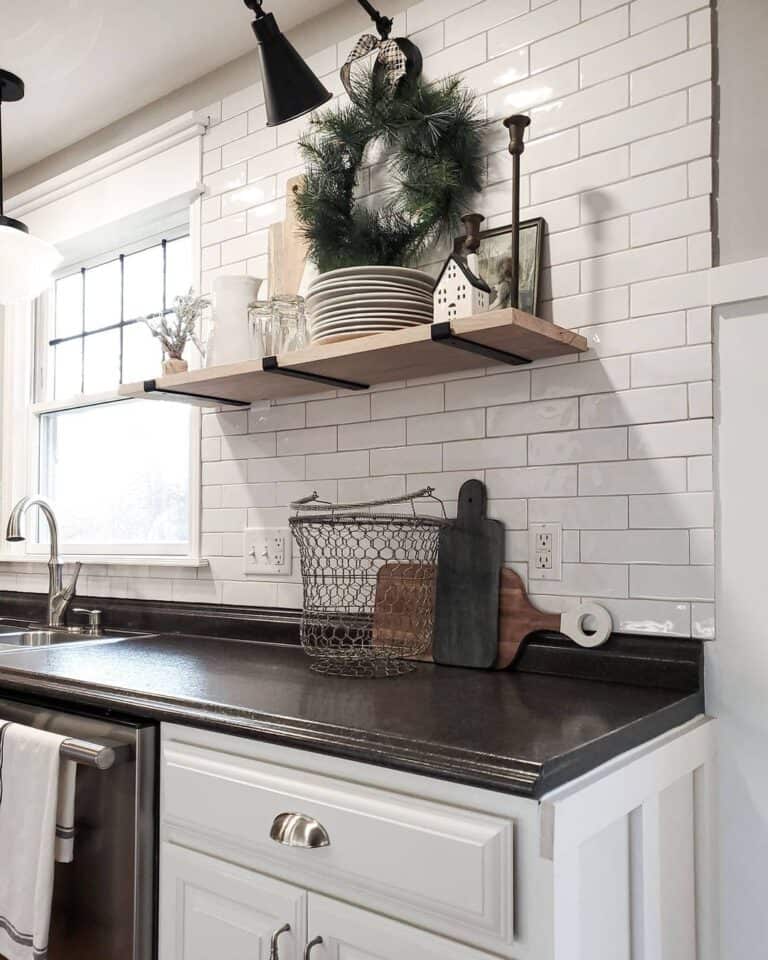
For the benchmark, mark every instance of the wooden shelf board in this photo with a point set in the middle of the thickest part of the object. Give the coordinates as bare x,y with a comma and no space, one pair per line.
382,358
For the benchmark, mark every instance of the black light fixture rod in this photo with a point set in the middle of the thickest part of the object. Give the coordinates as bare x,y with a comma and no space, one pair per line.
383,24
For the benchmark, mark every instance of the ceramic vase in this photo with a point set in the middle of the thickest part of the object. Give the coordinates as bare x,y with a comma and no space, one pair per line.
231,339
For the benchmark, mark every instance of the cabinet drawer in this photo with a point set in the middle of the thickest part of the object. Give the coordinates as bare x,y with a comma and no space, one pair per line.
442,866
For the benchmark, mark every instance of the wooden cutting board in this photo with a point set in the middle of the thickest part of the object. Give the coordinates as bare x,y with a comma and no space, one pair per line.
518,618
470,560
287,247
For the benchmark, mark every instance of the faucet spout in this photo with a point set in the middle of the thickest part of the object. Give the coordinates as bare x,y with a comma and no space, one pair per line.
59,596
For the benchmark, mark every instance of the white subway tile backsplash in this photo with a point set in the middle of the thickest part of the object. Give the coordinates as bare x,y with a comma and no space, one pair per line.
224,229
634,406
460,58
222,521
591,240
407,401
634,124
365,436
542,89
600,306
639,193
687,143
547,21
333,466
640,263
675,220
647,13
500,452
249,495
340,410
435,427
548,152
699,326
699,177
676,510
596,579
670,618
637,51
242,101
638,476
580,40
512,513
699,102
580,175
672,583
677,73
427,12
421,458
488,391
597,101
311,440
646,333
276,469
593,8
482,16
670,293
700,473
578,446
680,365
635,546
682,438
700,251
579,378
703,621
536,417
703,547
225,132
494,74
556,481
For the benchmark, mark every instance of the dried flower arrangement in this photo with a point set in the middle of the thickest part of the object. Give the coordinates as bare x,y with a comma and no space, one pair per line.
175,328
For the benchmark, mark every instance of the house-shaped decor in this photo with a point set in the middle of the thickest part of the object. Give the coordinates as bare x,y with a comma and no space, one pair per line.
459,292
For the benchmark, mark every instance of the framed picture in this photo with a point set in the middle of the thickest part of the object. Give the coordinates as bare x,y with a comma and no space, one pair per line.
494,256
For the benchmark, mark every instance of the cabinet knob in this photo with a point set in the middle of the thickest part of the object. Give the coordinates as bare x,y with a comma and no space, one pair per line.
311,945
273,948
298,830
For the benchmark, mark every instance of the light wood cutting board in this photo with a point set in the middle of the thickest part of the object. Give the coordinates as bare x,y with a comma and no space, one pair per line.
287,248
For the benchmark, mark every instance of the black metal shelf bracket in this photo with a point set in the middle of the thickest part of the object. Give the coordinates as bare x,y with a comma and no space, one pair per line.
442,333
270,365
198,399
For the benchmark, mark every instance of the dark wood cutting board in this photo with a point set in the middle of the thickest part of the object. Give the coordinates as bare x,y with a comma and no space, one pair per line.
471,556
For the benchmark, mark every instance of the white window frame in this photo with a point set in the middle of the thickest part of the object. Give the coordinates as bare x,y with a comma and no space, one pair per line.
24,355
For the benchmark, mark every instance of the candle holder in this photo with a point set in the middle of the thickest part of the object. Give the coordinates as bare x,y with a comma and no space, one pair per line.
516,126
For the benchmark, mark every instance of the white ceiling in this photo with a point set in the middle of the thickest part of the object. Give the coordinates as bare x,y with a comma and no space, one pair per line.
86,63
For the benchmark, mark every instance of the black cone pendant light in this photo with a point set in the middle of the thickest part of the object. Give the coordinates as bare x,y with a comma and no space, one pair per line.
290,87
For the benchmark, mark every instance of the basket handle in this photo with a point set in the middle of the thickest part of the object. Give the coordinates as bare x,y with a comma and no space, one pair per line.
313,502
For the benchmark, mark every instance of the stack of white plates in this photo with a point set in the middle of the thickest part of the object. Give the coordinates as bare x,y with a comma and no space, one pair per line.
359,301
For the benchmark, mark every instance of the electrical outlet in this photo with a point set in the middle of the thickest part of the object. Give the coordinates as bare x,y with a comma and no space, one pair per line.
545,551
267,550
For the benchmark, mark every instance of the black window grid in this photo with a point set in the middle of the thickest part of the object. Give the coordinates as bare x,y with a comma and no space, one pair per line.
123,322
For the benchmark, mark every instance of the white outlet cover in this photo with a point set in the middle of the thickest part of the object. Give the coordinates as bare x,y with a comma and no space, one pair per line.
267,551
545,564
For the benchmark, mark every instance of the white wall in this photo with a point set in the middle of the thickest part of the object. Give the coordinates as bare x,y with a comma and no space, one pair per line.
616,444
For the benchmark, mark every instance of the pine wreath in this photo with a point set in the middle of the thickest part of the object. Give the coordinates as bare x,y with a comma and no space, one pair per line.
431,137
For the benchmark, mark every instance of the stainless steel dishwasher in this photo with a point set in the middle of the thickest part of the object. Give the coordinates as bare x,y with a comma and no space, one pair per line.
104,903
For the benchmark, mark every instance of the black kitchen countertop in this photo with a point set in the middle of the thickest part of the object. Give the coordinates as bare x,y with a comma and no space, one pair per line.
517,732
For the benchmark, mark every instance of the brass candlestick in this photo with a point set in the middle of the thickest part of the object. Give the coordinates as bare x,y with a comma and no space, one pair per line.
516,126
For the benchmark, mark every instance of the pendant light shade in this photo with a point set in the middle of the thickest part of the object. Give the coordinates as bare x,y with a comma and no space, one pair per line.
290,87
26,262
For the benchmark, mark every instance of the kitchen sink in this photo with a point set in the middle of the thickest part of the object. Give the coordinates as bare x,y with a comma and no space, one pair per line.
16,635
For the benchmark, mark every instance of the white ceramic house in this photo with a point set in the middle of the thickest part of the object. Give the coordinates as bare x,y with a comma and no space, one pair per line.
459,292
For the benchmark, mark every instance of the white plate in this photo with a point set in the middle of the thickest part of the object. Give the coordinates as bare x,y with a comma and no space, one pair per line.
348,287
361,318
355,296
349,335
370,310
377,273
366,325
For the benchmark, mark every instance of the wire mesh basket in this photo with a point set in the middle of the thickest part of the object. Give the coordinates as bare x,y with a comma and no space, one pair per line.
369,577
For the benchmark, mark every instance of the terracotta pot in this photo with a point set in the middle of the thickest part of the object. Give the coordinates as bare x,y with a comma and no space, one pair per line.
175,365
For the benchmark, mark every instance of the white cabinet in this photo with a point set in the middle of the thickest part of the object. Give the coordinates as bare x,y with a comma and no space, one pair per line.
616,865
211,910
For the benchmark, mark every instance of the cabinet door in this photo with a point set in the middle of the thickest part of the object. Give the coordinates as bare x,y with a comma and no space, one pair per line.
211,910
349,933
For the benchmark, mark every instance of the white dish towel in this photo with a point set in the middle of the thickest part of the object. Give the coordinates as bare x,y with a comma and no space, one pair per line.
37,800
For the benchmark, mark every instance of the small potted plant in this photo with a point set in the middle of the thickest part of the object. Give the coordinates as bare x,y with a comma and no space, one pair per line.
177,327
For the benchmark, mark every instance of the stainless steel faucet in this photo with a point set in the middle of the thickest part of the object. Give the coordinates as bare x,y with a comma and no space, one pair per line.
59,596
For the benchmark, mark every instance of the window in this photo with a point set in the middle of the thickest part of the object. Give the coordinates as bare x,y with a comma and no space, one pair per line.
98,340
119,472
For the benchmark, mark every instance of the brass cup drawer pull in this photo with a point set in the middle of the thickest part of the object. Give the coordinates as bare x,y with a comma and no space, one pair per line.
298,830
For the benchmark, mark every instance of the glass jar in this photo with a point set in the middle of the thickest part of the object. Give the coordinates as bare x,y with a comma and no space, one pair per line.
278,325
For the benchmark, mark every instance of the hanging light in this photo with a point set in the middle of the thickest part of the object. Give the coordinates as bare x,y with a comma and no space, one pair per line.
290,87
26,262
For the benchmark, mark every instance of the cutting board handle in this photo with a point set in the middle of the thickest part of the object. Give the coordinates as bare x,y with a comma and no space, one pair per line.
473,503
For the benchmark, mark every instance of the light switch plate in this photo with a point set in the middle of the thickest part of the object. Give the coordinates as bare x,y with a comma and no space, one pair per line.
267,550
545,551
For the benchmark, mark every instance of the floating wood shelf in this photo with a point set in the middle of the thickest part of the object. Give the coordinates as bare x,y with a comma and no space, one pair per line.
504,336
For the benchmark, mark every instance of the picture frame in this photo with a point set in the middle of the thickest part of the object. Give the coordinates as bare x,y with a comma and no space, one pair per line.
494,251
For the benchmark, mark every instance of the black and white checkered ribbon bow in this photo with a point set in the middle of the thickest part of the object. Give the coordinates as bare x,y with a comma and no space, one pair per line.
390,57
